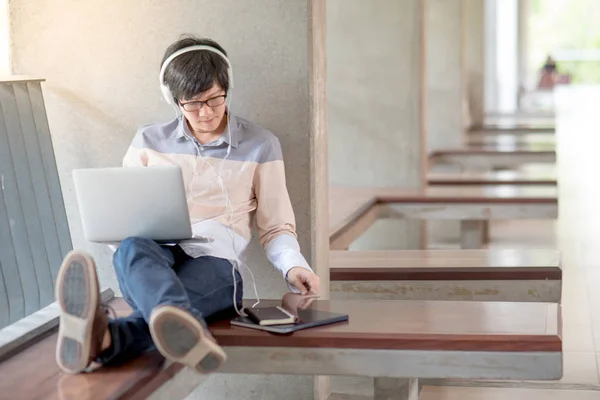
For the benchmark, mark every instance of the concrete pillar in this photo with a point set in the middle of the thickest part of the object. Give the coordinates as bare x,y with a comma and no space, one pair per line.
507,57
101,61
4,38
445,84
396,389
491,56
446,97
474,58
375,104
522,47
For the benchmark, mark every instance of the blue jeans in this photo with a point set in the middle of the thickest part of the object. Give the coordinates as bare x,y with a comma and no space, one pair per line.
150,275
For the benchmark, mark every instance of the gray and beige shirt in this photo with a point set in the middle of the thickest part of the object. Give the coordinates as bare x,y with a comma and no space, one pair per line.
252,177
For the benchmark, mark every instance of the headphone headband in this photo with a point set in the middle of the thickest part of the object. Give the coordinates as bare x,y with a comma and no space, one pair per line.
165,89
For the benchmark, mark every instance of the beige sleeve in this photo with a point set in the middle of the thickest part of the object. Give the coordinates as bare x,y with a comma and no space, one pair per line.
135,157
274,213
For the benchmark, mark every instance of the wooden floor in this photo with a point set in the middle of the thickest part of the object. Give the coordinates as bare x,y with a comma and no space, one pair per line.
577,235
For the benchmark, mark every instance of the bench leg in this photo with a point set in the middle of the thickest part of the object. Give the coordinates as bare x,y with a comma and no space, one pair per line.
485,231
397,389
471,234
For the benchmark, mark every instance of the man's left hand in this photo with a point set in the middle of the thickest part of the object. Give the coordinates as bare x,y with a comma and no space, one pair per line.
304,280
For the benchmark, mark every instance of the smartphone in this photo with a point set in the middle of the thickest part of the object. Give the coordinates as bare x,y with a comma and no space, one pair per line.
270,316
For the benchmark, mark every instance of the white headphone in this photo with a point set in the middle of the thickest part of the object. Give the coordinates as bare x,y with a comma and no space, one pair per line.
165,89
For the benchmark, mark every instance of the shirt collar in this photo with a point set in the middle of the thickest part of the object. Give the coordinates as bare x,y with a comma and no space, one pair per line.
183,131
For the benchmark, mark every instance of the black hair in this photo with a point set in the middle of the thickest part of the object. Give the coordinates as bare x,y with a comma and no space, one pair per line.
190,74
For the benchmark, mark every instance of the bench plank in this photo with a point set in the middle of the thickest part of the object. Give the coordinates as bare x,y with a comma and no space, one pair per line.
516,147
532,139
481,157
494,130
464,195
464,203
471,151
464,332
134,380
493,178
422,325
499,256
530,124
344,209
511,122
410,265
470,204
468,195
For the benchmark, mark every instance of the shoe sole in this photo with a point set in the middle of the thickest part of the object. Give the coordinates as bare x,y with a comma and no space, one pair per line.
77,294
181,338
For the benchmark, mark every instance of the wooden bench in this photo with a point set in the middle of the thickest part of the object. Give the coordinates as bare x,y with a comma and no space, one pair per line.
521,115
482,275
517,123
523,146
508,177
353,210
513,130
490,158
534,141
386,340
350,215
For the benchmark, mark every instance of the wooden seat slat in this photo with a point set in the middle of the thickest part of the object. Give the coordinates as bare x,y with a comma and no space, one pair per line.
521,147
423,265
442,258
353,209
515,194
492,178
423,325
490,152
519,125
488,158
518,328
466,195
495,256
345,207
34,374
533,139
492,130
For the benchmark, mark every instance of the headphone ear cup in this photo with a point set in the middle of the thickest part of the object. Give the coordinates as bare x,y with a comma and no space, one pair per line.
166,94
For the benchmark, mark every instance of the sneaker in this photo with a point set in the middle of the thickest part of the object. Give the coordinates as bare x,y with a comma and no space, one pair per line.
181,338
83,321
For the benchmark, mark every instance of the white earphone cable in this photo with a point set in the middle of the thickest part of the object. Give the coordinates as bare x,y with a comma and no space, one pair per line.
228,206
229,211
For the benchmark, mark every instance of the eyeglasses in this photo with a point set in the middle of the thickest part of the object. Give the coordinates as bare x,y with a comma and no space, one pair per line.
197,105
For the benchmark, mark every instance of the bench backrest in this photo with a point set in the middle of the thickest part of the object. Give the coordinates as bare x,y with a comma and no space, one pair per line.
34,231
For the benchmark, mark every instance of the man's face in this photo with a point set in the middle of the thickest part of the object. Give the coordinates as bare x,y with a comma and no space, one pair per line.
208,116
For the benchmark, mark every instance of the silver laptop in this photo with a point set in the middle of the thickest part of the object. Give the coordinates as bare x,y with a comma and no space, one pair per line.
116,203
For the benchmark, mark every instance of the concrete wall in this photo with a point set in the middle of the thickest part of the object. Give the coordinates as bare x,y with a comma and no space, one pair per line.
474,57
507,54
446,97
523,14
445,83
4,38
101,62
501,55
374,81
491,57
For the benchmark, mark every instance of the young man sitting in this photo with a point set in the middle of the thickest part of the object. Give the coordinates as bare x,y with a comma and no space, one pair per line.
233,172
